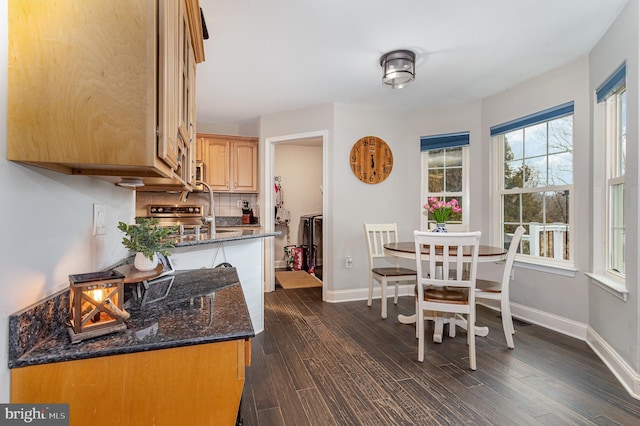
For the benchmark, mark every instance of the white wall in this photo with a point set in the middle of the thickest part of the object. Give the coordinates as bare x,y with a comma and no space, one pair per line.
549,292
300,170
276,129
396,199
616,321
46,219
219,129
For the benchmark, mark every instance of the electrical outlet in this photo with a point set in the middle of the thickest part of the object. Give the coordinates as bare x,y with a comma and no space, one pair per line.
239,204
99,212
348,262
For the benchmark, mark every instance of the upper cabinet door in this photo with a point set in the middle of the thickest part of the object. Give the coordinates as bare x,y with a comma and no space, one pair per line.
217,160
231,162
176,141
103,88
245,166
82,84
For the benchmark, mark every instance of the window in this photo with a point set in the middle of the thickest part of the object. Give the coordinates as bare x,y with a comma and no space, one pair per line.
444,170
535,183
616,138
614,96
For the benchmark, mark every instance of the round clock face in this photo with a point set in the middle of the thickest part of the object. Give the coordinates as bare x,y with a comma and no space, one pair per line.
371,159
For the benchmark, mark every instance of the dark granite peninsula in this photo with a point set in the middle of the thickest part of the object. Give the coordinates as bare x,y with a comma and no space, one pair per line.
240,247
181,359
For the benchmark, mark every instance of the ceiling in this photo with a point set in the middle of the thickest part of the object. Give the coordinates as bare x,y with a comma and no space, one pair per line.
264,57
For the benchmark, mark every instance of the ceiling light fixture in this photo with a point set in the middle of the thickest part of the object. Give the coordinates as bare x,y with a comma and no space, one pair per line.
398,68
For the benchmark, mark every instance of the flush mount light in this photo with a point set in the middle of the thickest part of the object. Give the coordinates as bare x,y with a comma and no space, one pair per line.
131,182
398,68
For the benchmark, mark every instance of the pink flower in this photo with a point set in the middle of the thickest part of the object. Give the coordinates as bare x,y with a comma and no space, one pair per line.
440,209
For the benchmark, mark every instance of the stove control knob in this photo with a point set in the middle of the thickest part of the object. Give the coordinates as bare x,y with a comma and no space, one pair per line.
191,209
160,209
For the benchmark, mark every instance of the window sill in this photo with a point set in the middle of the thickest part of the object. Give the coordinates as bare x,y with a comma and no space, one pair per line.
610,286
565,271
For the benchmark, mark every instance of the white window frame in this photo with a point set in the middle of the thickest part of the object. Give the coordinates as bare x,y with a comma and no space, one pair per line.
464,194
546,264
615,175
605,148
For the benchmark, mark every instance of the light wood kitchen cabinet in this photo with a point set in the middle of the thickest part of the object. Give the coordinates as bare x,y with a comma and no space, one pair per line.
231,162
191,385
104,88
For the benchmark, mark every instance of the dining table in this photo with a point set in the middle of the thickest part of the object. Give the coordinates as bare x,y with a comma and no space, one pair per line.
407,250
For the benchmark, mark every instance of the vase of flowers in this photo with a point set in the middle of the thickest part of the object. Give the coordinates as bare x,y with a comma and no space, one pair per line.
146,238
440,211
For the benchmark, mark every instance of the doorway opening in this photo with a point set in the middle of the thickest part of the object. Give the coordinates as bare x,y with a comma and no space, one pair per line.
295,166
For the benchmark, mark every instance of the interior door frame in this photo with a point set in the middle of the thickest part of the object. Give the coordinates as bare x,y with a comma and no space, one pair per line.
268,211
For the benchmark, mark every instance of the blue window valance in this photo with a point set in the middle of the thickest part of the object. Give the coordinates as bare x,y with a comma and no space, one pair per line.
536,118
613,83
448,140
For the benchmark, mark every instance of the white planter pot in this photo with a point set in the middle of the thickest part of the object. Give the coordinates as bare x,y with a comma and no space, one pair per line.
143,263
440,227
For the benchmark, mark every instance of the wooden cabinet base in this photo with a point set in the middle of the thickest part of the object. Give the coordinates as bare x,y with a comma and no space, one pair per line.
192,385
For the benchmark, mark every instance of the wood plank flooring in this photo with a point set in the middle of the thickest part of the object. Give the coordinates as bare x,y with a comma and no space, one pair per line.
340,364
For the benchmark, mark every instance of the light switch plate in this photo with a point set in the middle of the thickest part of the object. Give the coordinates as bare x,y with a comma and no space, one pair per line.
99,212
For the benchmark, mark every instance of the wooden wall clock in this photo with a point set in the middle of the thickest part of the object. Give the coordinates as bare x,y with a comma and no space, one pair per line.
371,159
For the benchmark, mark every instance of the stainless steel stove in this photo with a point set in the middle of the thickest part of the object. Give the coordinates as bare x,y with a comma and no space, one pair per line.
188,217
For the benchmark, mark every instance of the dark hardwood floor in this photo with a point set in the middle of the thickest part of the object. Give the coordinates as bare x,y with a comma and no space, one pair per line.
340,364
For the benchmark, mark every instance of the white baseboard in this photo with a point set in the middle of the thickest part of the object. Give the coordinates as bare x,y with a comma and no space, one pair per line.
354,294
618,366
553,322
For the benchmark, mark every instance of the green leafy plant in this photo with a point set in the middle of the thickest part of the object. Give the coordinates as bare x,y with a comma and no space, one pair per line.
147,237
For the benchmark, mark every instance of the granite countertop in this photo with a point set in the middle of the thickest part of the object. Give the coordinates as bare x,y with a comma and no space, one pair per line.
189,308
224,233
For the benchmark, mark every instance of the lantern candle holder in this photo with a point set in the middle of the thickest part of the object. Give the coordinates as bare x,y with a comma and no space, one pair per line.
96,305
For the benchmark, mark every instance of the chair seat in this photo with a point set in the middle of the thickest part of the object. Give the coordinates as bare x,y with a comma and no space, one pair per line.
393,272
377,235
488,286
446,295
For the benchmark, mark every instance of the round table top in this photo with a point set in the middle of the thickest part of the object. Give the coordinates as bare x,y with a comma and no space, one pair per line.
132,275
410,248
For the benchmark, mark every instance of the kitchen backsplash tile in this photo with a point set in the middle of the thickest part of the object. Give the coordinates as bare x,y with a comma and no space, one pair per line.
225,204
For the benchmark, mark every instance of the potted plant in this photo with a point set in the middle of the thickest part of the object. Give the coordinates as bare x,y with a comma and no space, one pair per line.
146,238
441,211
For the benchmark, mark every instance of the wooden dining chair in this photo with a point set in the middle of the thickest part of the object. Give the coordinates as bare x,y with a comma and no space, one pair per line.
499,290
445,293
377,235
451,227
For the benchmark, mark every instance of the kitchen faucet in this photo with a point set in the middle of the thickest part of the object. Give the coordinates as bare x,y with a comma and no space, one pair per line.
211,219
